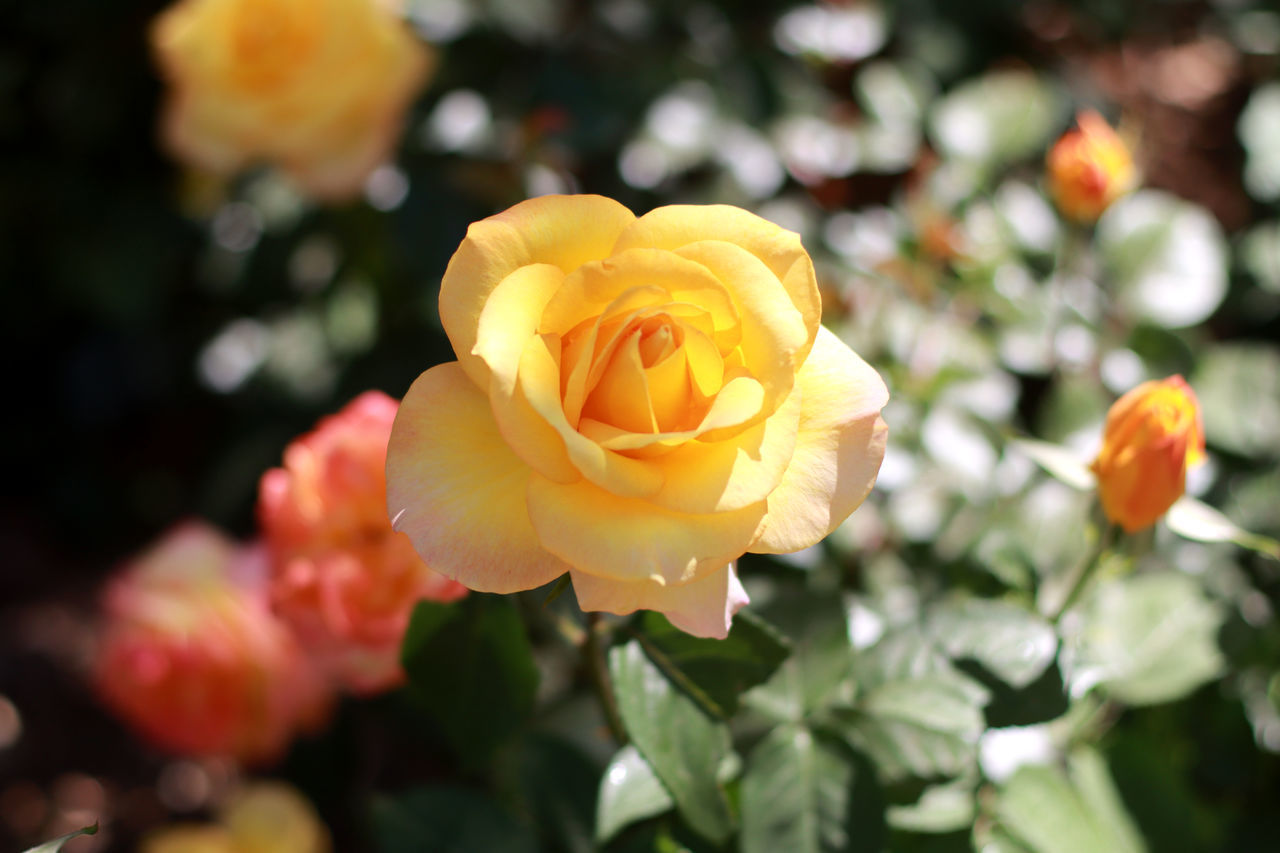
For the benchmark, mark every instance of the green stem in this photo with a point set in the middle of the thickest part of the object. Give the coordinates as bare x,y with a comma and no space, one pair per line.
593,655
1083,572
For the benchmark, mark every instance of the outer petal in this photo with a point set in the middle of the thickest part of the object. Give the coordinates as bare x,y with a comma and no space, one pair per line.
703,607
458,491
506,324
838,450
630,540
678,225
566,231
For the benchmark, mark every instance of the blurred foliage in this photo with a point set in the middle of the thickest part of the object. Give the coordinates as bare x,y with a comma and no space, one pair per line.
911,684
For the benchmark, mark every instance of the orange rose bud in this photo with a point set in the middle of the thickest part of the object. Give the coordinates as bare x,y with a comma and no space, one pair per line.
1089,168
341,576
1152,435
191,656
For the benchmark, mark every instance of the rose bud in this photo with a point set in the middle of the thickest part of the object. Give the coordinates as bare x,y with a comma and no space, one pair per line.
1152,435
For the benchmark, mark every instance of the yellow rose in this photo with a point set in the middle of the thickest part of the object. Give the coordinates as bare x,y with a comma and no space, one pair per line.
316,87
637,402
1152,435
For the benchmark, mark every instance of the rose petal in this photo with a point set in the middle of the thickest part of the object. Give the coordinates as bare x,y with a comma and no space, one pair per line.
506,324
774,336
458,491
565,231
781,250
838,453
539,381
703,607
623,539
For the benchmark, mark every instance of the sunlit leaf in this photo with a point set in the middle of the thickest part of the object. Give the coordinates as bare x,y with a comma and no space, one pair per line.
940,808
1166,258
1197,520
804,794
629,791
915,714
1055,813
1012,642
681,742
1259,127
1144,639
998,118
1239,389
1060,462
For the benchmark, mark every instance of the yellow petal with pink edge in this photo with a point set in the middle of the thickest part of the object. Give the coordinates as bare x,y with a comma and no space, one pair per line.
781,250
458,491
623,539
703,607
565,231
839,448
539,380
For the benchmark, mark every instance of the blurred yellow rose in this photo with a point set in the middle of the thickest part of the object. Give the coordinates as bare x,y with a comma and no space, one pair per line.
265,817
1152,435
637,402
1089,168
315,87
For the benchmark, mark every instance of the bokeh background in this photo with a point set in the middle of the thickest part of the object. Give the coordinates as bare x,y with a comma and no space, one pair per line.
164,335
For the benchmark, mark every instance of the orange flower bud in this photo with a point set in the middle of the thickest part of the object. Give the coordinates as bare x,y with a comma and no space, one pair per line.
1152,435
341,576
1089,168
192,657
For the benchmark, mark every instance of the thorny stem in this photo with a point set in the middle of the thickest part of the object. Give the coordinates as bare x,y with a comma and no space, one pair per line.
593,654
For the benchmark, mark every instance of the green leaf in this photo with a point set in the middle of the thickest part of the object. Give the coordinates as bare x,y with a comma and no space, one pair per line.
1196,520
446,820
998,118
1054,813
1144,640
471,669
821,659
940,809
629,791
1059,462
1259,126
557,789
1167,258
804,794
715,672
1259,252
1239,389
915,714
1012,642
56,844
684,746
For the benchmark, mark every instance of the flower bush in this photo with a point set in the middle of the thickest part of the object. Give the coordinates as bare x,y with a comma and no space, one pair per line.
637,402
